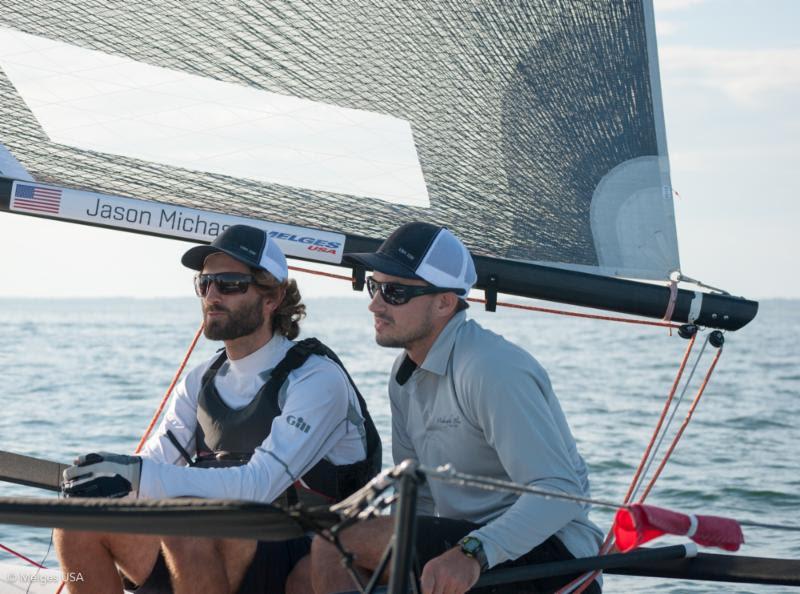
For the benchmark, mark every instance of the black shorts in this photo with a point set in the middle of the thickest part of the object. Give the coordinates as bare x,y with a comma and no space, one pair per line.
267,572
437,535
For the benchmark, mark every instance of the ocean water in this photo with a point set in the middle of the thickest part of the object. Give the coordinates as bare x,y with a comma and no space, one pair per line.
86,375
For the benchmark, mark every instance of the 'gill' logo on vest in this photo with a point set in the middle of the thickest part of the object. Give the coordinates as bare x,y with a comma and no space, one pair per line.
299,423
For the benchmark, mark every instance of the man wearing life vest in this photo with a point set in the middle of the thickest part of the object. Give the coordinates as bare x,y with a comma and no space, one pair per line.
267,419
463,395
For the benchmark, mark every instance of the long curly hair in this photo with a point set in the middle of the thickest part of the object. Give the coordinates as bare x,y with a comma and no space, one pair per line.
291,309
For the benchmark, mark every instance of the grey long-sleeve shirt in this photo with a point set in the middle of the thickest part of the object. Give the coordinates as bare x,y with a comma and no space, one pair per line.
487,407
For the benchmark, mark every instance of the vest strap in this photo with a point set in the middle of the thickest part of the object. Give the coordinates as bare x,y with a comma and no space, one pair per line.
334,481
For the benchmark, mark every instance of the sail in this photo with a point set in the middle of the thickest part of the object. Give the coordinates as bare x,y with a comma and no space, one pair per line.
533,129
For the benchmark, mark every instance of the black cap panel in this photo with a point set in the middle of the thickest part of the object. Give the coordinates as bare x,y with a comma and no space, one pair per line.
240,242
427,252
402,252
409,243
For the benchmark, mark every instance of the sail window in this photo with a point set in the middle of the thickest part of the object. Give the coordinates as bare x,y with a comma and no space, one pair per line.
95,101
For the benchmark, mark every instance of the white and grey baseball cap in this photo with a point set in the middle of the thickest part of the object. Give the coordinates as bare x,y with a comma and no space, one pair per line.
426,252
249,245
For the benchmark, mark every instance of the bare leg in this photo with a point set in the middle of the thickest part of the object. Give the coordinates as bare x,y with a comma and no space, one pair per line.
95,556
366,541
299,580
207,564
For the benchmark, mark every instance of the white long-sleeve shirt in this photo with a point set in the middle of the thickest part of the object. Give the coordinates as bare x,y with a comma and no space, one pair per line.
318,393
487,407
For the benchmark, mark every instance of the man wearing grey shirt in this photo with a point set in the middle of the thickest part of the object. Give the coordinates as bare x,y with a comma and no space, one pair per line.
463,395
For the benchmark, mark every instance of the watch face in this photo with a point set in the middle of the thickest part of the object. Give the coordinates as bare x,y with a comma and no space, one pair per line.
471,545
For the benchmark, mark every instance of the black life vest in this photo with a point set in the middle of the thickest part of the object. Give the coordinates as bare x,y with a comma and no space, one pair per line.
227,437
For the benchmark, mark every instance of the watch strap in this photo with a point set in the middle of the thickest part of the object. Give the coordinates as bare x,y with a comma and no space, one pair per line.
473,547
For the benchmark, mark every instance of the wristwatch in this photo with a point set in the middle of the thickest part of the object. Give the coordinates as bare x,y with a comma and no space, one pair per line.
472,547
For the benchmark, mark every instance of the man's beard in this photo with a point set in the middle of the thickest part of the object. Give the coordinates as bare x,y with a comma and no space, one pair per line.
404,339
239,322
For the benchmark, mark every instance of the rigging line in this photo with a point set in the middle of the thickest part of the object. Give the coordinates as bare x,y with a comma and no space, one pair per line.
42,565
161,406
321,273
679,433
578,314
21,556
687,279
168,393
646,459
580,584
650,453
671,417
664,410
683,426
519,305
347,560
448,474
39,566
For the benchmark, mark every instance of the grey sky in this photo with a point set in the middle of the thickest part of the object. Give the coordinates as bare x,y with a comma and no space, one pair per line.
731,80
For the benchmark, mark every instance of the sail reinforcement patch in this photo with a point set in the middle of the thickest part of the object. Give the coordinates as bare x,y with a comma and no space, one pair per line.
96,101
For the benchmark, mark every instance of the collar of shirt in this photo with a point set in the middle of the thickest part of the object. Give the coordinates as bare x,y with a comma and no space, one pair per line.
239,381
437,358
264,358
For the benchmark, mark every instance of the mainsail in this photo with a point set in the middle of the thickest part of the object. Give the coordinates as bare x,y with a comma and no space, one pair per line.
532,129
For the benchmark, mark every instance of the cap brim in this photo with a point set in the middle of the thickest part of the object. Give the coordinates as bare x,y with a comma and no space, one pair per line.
195,257
381,263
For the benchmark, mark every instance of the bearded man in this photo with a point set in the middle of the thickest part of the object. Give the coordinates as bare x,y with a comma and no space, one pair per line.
264,419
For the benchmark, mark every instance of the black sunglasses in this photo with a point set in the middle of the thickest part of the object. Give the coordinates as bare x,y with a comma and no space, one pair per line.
228,283
397,294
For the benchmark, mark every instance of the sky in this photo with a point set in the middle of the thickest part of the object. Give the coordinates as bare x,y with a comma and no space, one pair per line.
730,72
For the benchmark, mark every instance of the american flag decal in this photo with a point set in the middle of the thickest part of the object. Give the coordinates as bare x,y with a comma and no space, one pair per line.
35,199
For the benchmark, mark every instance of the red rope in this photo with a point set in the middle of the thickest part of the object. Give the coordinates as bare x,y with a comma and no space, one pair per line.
683,426
518,305
667,403
320,273
21,556
168,393
575,314
608,545
161,406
